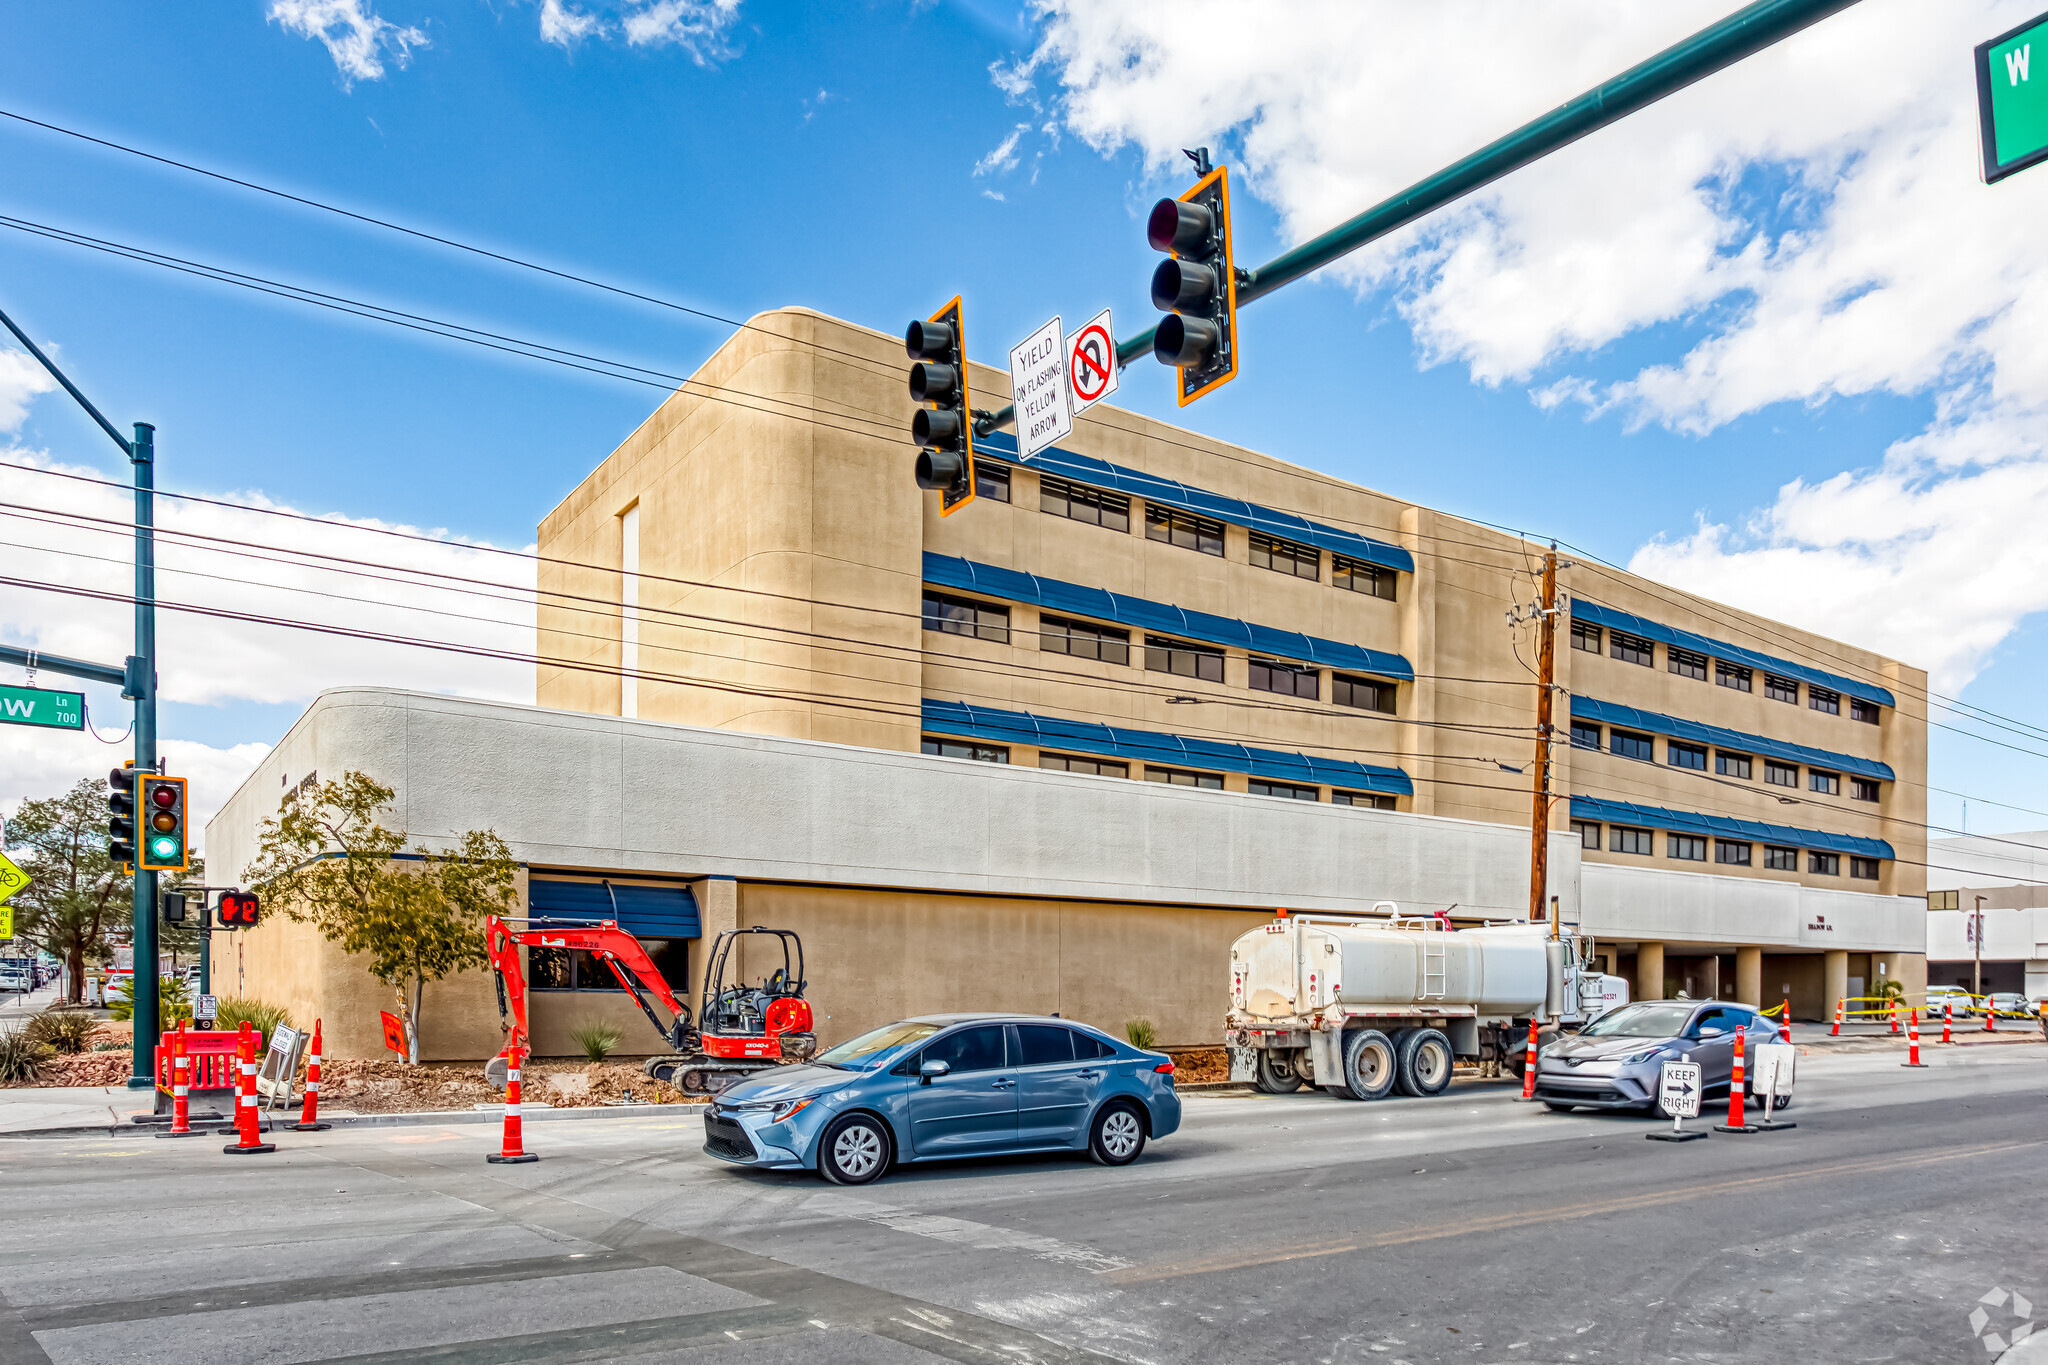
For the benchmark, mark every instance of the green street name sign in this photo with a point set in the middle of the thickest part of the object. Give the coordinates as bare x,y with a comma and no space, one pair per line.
2012,99
33,706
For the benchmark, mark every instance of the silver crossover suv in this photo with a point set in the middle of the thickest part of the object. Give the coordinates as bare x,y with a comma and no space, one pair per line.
1613,1063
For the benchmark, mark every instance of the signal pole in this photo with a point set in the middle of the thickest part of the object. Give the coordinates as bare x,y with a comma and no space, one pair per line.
1546,668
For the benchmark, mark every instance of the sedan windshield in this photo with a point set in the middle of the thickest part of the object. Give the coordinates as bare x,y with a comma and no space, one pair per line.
857,1054
1641,1021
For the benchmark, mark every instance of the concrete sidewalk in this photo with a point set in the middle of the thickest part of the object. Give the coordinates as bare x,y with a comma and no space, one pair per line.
69,1106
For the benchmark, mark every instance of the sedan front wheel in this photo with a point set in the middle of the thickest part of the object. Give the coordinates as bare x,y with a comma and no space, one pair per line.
853,1151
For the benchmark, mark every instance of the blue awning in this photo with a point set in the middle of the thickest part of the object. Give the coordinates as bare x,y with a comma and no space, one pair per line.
1151,746
1594,614
1609,713
643,911
1172,493
1727,827
948,571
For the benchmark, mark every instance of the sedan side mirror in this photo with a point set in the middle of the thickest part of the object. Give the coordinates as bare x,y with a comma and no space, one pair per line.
1709,1031
934,1068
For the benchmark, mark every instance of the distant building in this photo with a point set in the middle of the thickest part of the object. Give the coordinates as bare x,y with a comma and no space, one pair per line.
1145,688
2005,876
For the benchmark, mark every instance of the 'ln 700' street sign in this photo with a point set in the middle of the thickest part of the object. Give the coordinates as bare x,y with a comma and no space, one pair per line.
2012,99
34,706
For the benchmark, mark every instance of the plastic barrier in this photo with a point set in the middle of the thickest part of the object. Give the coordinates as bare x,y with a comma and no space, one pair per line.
246,1121
514,1151
1913,1041
1736,1085
309,1117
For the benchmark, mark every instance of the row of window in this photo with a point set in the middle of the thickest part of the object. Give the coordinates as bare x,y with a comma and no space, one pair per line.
1177,777
1634,649
1727,763
1692,848
1172,526
1162,653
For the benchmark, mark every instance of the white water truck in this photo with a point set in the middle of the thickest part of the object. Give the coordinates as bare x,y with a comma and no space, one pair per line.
1362,1005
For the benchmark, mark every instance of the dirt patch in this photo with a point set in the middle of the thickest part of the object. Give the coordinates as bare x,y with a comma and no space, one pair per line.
87,1068
393,1087
1196,1065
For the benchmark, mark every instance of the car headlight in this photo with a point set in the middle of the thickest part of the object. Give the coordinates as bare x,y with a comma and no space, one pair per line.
787,1109
1648,1054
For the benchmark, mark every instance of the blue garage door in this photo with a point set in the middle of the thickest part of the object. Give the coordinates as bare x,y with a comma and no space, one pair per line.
643,911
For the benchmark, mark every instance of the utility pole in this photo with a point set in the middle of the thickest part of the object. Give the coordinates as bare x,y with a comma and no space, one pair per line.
1546,666
1977,949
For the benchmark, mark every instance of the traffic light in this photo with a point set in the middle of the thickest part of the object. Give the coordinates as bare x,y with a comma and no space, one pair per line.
121,816
238,909
166,845
1198,285
945,430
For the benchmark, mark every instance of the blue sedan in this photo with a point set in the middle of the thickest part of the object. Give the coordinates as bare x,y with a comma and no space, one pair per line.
943,1086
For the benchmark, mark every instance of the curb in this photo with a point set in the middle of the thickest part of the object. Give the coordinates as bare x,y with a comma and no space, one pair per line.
339,1121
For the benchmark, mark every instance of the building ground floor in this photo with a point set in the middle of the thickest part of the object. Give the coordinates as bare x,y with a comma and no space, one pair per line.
921,884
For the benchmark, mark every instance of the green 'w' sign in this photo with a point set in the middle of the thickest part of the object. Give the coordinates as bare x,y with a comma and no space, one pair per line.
33,706
2012,99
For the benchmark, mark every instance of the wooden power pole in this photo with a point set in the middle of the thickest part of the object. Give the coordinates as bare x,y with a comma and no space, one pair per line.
1546,665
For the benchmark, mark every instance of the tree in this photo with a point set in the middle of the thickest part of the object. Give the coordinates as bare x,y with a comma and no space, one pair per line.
327,859
77,898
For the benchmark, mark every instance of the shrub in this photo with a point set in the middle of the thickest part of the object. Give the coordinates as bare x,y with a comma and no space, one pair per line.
1142,1033
22,1059
597,1038
65,1030
173,1001
111,1046
260,1015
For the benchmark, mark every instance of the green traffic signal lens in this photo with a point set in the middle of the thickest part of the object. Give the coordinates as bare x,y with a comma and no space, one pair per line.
163,848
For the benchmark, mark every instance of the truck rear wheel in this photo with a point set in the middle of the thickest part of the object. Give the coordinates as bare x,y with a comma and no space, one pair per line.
1275,1072
1370,1066
1426,1062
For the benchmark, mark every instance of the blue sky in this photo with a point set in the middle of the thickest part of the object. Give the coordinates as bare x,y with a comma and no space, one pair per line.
827,156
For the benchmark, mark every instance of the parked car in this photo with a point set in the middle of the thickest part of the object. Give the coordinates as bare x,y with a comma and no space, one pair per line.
1955,998
2010,1005
945,1086
1615,1062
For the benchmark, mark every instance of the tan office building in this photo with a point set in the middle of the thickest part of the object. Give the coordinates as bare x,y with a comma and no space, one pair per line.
1143,688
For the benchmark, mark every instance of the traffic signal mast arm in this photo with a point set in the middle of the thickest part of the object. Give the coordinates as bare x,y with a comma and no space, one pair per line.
1742,34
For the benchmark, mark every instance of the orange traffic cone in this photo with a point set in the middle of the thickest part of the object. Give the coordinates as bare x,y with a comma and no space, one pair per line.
247,1126
513,1151
1913,1041
1736,1085
309,1117
1836,1031
1529,1066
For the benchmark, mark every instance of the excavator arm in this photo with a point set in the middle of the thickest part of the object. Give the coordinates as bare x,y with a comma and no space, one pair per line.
604,940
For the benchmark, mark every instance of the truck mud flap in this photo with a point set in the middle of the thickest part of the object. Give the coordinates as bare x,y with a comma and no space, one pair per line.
1326,1053
1243,1063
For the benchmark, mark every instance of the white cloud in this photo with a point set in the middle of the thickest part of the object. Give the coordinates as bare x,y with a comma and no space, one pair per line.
21,379
1807,223
698,27
565,27
356,38
1003,157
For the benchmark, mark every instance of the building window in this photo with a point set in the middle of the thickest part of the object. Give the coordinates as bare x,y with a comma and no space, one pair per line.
1368,800
1780,859
1629,744
1176,777
1863,788
1731,851
1184,529
1781,689
1355,575
1586,637
1685,663
1057,635
1692,756
1687,848
1588,832
960,748
573,969
1097,767
1269,676
1863,869
1731,675
1585,736
1944,900
1824,864
1622,839
1820,699
1827,784
958,616
1076,503
1286,789
1284,556
991,480
1189,661
1732,765
1865,711
1363,693
1631,649
1781,774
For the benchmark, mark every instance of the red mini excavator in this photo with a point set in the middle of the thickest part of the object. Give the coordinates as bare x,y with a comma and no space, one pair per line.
739,1029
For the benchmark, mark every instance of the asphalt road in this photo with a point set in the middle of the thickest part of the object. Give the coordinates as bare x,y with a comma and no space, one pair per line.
1281,1229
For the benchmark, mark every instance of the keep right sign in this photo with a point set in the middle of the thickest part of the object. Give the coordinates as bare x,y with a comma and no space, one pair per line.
1678,1090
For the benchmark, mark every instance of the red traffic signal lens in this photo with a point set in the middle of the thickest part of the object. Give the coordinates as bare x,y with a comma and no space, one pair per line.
165,795
928,340
1179,226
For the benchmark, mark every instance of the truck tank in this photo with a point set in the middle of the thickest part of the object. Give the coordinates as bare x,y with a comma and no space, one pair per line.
1298,966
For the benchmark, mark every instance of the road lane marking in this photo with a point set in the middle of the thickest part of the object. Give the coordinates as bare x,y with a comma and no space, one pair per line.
981,1236
1501,1222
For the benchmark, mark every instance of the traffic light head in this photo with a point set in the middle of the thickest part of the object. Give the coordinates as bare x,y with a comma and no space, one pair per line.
943,430
121,816
1197,287
166,842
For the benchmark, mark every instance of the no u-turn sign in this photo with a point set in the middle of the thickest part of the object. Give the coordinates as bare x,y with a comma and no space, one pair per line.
1091,363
